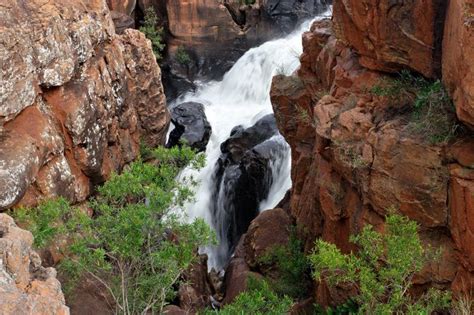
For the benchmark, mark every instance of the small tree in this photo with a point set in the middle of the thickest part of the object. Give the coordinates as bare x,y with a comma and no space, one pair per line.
382,270
152,32
135,246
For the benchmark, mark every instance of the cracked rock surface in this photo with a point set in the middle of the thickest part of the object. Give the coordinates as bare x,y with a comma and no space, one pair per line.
75,99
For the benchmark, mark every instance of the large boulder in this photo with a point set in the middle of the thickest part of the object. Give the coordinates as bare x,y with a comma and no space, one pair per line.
190,126
76,99
25,286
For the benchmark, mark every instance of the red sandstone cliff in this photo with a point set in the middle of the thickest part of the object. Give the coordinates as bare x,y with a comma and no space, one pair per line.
353,157
75,99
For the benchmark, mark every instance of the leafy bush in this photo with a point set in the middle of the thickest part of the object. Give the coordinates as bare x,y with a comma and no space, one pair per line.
135,245
152,32
43,221
292,268
382,270
348,308
433,112
182,56
259,299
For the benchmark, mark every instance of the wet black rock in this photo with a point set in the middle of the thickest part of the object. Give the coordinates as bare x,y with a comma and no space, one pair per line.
191,126
243,179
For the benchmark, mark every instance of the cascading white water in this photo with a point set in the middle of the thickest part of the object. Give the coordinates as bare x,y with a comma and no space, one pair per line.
241,98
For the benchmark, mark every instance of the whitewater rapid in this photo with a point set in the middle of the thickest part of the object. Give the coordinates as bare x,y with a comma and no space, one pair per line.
242,98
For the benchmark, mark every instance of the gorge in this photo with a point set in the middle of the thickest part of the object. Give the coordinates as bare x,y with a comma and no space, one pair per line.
315,118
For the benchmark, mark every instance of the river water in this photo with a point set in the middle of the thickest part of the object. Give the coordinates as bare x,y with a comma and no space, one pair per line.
241,98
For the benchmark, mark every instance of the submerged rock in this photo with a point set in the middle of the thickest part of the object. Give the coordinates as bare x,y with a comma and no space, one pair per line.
190,126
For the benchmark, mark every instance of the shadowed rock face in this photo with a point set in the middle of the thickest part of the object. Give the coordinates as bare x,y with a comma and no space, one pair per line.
25,286
190,125
75,99
458,56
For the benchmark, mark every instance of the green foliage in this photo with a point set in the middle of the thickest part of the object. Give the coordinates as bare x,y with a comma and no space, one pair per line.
136,245
433,115
348,308
41,221
182,56
259,299
292,268
247,2
382,270
152,32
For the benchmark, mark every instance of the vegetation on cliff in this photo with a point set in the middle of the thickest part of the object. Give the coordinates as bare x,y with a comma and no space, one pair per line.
258,299
382,270
135,244
432,110
153,32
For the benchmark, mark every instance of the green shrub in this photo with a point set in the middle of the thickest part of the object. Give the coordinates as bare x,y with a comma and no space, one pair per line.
182,56
259,299
348,308
152,32
292,268
43,221
382,270
432,116
135,244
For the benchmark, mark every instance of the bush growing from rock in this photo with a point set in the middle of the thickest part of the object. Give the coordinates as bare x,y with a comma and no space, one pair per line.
433,114
291,266
382,270
259,299
153,32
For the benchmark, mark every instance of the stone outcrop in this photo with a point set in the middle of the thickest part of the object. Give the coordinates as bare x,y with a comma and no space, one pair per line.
123,6
269,229
25,286
354,155
75,99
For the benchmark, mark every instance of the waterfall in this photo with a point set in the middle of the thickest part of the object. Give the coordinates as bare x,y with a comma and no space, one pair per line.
242,98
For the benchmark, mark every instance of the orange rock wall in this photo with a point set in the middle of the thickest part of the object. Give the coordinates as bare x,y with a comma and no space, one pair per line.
354,157
75,99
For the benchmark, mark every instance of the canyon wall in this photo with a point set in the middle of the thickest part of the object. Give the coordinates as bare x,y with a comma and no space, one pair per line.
355,154
204,38
214,34
75,99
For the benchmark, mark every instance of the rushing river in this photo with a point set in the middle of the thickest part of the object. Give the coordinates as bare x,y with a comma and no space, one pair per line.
242,98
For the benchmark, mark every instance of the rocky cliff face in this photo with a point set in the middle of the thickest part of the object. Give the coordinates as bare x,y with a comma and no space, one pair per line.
75,99
214,34
353,153
214,44
25,286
